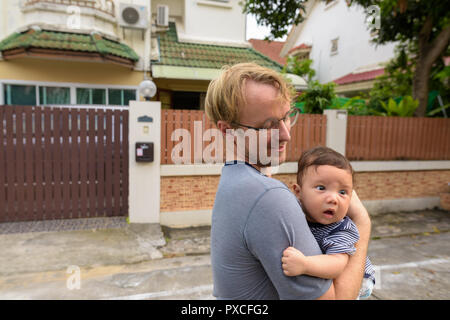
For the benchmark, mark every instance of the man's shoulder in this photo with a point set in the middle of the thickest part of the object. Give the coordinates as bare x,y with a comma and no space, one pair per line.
242,175
242,188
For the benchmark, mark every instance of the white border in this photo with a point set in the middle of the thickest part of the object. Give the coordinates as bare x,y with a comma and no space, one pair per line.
220,3
168,170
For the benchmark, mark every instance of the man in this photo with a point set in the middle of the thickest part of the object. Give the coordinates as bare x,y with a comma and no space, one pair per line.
255,217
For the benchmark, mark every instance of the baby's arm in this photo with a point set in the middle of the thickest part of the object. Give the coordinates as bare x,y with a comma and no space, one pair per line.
326,266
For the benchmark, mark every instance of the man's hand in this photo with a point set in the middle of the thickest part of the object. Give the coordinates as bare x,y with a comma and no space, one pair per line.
356,211
293,262
347,285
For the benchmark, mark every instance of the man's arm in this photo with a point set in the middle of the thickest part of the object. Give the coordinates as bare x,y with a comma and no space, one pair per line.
348,284
326,266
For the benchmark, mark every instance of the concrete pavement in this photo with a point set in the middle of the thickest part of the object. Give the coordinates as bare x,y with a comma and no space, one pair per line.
410,250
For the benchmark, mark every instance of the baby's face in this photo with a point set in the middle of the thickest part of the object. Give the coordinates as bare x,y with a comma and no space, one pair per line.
325,193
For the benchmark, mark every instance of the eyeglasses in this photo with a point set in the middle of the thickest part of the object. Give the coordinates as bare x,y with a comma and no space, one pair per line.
273,123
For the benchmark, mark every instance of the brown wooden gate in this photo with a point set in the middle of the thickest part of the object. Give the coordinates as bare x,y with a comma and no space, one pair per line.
62,163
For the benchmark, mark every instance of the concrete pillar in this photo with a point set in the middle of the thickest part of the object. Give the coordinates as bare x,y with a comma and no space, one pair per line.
336,130
144,177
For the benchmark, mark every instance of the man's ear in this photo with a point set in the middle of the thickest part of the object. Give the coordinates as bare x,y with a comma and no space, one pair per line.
223,126
297,189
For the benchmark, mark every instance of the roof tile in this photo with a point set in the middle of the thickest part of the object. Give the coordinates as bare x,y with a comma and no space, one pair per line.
67,41
175,53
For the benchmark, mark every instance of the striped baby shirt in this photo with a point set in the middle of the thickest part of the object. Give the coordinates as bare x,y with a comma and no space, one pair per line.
340,237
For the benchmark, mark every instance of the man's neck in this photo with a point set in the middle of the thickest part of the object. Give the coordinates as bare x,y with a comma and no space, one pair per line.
266,170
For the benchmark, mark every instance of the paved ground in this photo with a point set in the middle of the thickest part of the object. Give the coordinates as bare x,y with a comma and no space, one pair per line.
410,250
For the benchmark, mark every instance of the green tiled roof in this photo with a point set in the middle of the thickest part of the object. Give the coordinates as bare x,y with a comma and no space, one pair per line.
175,53
67,41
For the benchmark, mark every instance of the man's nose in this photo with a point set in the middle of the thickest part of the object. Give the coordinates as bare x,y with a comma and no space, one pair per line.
284,131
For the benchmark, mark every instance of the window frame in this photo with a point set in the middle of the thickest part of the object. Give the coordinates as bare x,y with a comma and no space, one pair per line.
333,53
72,85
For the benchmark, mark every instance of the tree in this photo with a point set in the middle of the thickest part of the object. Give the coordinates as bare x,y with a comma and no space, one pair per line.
300,67
397,80
424,23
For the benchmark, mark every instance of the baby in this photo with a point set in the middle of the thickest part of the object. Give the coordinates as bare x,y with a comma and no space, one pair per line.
324,188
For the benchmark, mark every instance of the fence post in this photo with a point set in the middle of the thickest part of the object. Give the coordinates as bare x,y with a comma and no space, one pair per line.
336,130
144,177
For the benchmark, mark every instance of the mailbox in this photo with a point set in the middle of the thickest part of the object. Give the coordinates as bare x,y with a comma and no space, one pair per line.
144,152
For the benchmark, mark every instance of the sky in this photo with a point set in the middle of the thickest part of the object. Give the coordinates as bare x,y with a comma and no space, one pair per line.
258,32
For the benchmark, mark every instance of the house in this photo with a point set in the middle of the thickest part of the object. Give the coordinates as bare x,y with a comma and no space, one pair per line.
91,52
199,39
336,37
66,53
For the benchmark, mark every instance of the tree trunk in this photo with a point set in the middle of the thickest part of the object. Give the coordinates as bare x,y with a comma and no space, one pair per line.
428,53
420,87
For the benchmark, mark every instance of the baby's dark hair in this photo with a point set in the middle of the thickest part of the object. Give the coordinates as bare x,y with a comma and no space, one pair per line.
321,156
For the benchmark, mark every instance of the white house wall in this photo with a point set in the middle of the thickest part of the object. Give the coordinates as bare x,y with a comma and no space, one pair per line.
354,47
214,22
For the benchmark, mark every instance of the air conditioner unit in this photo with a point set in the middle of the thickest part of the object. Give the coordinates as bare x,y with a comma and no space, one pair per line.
133,16
162,15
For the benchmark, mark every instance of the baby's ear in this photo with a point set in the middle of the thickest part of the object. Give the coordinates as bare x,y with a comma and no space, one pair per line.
296,189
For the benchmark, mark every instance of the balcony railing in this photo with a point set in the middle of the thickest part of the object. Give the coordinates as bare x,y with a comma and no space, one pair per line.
106,6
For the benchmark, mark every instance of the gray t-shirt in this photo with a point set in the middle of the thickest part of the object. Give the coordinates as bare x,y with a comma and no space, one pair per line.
254,219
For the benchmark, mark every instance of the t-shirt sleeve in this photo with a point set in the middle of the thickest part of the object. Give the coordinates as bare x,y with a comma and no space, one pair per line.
276,222
342,239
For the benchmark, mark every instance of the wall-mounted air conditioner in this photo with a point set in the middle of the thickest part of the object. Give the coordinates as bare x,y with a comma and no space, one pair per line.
162,15
133,16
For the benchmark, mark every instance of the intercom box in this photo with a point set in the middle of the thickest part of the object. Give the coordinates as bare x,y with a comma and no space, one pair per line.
144,152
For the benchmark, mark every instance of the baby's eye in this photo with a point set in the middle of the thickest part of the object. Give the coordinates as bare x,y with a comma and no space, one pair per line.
343,192
320,188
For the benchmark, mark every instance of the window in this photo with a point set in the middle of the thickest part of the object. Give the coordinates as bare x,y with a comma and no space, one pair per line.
120,97
91,96
334,46
20,95
301,55
186,100
54,95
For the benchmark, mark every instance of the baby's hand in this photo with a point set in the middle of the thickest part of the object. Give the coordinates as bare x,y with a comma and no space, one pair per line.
293,262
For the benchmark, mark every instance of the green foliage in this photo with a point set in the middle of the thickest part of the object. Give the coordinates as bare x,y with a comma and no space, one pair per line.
355,106
443,75
406,21
398,78
299,67
278,15
317,97
438,110
405,108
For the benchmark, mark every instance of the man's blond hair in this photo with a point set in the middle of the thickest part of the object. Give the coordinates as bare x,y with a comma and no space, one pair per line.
226,94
